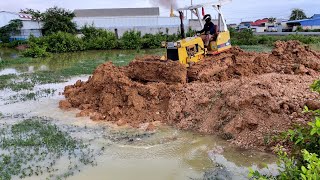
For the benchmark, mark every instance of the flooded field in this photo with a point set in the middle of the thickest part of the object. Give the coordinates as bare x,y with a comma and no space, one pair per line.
30,91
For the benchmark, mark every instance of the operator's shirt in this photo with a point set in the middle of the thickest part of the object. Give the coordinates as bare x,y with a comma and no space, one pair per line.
208,28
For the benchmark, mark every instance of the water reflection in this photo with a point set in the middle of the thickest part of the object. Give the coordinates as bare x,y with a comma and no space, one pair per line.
64,60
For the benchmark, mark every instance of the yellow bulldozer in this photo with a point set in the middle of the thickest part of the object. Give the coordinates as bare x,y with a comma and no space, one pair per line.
181,55
190,50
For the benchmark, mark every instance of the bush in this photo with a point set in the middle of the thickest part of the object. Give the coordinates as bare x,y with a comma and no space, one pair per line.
36,51
172,38
244,37
131,40
190,32
98,38
13,44
61,42
153,41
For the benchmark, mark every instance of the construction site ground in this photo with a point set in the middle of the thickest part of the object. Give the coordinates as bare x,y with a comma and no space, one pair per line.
244,97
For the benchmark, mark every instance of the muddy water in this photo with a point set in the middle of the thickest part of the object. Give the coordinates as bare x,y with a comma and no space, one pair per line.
166,153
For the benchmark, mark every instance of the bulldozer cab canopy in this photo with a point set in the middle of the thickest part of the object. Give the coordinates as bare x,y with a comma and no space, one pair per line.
222,26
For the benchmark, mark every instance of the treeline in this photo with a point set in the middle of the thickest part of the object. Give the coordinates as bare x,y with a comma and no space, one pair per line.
93,39
246,37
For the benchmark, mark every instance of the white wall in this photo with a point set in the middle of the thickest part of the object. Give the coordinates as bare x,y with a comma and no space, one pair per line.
258,28
310,27
145,25
28,24
119,22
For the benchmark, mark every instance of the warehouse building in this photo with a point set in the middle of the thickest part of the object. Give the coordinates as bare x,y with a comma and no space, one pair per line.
29,26
119,20
310,24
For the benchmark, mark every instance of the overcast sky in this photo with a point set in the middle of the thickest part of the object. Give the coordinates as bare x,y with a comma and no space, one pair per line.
235,12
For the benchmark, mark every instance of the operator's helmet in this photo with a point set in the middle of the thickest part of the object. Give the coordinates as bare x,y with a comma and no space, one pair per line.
207,17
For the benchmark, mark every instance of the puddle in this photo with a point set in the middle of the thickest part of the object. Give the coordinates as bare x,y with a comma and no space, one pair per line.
8,71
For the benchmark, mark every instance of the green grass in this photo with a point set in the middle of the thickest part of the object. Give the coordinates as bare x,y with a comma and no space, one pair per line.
315,46
32,147
256,48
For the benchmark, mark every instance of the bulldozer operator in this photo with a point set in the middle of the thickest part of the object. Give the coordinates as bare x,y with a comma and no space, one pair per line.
208,30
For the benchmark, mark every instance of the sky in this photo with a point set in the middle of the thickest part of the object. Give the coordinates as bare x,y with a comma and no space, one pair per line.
235,12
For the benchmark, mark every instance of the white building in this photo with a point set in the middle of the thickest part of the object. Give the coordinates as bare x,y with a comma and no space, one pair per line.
29,26
145,20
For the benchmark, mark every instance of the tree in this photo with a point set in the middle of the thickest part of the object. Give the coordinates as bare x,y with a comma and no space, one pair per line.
272,20
13,27
54,19
297,14
58,19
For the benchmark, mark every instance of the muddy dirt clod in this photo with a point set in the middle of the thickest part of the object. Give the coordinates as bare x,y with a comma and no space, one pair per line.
242,96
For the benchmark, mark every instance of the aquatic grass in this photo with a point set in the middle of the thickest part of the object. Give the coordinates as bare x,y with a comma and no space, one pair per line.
31,95
33,146
16,61
5,80
18,86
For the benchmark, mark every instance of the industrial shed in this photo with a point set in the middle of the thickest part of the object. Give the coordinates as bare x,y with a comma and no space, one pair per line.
312,23
119,20
29,26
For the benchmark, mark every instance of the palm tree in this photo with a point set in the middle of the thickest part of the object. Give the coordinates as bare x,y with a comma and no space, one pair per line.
297,14
272,20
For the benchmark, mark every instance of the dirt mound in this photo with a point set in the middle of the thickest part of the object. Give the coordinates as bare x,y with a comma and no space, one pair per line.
244,97
111,95
287,58
152,69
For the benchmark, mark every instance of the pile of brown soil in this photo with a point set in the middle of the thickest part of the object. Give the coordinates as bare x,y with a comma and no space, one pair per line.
152,69
244,97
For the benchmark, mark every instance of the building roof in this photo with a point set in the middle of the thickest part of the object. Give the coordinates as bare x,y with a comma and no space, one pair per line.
315,16
21,16
259,22
313,21
306,22
153,11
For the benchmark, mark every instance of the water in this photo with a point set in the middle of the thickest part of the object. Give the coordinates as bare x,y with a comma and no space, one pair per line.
58,61
166,154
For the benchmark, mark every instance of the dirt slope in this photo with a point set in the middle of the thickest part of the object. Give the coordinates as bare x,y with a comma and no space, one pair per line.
243,97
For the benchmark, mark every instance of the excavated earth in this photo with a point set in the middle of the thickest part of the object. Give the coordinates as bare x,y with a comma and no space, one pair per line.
244,97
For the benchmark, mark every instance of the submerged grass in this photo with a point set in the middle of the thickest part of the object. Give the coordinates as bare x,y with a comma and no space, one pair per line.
16,61
31,95
32,148
6,79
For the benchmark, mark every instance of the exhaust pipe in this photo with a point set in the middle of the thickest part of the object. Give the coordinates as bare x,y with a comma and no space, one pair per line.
182,25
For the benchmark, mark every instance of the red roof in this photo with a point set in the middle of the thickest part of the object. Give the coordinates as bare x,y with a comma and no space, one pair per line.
259,22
